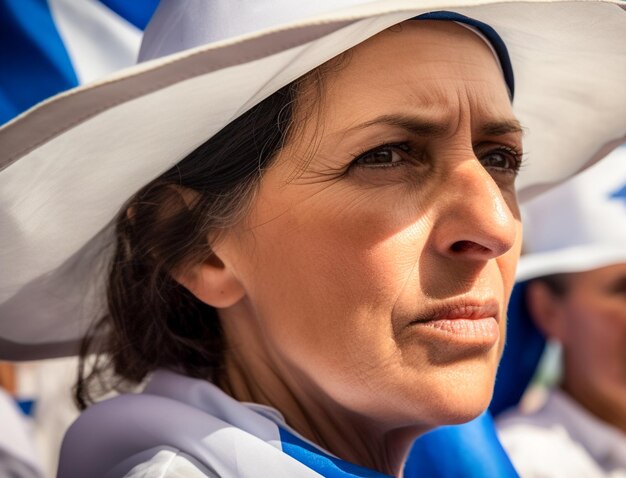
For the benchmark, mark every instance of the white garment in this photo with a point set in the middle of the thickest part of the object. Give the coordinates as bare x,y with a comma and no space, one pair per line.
17,453
562,440
178,426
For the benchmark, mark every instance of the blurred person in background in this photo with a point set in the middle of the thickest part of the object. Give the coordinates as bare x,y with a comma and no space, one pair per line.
18,457
573,274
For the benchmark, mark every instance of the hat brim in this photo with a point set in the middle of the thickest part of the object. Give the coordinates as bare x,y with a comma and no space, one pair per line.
572,259
69,164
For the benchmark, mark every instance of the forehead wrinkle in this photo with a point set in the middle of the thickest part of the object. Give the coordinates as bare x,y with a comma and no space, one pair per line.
413,123
422,112
498,117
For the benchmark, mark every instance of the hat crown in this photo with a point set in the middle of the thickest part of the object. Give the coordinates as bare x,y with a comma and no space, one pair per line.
173,29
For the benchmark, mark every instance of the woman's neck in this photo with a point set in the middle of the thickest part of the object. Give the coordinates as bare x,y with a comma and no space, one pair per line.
314,416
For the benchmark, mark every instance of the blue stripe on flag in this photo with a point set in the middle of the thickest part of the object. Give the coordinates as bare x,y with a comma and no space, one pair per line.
35,64
137,12
325,465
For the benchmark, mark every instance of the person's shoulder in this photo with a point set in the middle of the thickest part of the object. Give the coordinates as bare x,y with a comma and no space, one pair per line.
541,416
540,445
128,430
535,432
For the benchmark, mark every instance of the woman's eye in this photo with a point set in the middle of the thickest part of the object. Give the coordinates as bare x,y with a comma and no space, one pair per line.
504,160
383,156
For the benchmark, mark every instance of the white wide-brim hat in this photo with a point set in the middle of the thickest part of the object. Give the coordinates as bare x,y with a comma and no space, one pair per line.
70,163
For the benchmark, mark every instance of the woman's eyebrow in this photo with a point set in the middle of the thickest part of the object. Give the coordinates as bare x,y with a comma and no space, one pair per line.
502,127
425,127
413,124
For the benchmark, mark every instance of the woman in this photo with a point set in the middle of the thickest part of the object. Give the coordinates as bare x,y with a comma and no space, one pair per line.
336,260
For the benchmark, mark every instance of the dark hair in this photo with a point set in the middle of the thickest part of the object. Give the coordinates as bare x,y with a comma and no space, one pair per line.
556,283
152,321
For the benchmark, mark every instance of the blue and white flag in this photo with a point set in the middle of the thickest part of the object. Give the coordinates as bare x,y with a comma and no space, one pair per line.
47,47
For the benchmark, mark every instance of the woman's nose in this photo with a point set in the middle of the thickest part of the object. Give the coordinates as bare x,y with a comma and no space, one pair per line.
475,221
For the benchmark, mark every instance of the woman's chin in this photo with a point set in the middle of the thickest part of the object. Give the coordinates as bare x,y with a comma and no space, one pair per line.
459,409
462,415
454,398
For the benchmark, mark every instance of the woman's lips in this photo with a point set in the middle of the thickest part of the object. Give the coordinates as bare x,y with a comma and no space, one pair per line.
463,322
481,329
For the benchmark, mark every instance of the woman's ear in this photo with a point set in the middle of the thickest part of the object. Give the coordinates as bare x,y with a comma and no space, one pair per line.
211,282
547,310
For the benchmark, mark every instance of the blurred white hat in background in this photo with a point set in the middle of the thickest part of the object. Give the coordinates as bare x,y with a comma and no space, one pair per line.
579,225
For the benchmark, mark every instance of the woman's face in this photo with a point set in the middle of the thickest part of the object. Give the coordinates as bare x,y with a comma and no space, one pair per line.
592,322
379,253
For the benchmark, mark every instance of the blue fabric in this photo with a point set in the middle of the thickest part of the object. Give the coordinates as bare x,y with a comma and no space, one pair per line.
27,406
34,62
496,41
523,350
620,194
468,450
322,463
137,12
